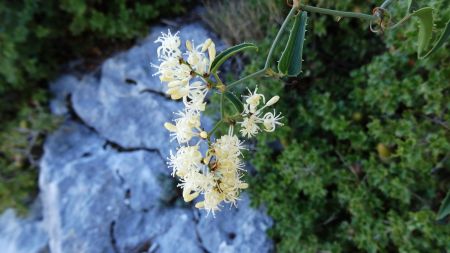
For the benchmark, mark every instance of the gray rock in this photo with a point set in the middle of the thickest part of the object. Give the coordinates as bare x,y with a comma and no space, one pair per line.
235,229
104,185
18,235
122,114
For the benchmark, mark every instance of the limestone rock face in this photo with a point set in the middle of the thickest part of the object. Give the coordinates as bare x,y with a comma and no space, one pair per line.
104,184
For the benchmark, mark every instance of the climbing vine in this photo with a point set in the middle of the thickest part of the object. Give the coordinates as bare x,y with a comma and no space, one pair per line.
212,167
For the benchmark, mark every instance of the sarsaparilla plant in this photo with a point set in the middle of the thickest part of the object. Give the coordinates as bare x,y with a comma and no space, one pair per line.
217,173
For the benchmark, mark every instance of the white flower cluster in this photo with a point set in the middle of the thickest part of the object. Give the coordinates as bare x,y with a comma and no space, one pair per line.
217,174
180,74
252,116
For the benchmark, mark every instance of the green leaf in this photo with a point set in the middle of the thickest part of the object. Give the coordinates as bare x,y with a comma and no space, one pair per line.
444,210
425,16
235,101
290,63
224,55
440,42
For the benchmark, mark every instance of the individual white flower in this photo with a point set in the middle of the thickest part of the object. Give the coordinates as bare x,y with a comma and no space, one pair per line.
212,200
187,125
252,101
172,70
170,45
195,183
249,125
195,99
228,146
271,120
186,160
231,185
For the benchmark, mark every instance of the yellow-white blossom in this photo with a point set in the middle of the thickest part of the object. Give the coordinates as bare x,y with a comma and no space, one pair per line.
178,72
252,101
195,99
170,45
186,126
271,120
186,160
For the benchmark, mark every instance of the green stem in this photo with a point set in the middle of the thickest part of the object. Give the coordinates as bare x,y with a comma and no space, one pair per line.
269,55
222,106
401,22
283,27
215,128
245,78
386,4
219,81
346,14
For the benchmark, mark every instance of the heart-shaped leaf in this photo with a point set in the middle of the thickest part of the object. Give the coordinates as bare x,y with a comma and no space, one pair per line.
224,55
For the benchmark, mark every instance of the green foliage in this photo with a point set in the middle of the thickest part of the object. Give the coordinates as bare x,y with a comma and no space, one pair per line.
444,210
426,24
37,36
20,148
38,39
362,162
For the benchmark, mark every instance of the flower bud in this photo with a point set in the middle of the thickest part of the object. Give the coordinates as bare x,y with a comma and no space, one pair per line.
243,185
273,100
190,197
203,134
188,45
206,45
212,52
171,127
200,204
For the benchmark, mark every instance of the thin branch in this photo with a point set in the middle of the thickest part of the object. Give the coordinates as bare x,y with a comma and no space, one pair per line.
253,75
222,106
215,128
271,51
346,14
283,27
386,4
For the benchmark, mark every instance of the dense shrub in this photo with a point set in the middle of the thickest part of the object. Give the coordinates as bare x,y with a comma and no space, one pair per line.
362,163
39,38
